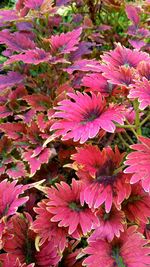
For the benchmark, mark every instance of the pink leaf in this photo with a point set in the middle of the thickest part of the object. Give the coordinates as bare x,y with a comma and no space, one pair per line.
17,170
85,65
36,162
137,44
16,41
7,15
35,56
66,42
133,14
33,4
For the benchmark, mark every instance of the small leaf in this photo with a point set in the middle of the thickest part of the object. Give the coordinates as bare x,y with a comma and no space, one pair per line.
17,170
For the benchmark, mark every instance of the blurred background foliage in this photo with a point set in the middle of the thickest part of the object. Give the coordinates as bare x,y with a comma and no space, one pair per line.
7,3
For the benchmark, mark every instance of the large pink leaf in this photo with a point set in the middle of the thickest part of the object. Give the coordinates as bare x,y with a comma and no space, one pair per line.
66,42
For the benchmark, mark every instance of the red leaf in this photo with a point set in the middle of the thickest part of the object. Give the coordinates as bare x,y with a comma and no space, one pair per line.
13,130
18,93
38,102
2,169
5,146
17,170
33,133
5,112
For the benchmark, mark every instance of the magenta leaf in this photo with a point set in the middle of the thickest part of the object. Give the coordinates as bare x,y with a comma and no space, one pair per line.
62,2
35,56
133,14
85,65
10,79
16,41
7,15
33,4
66,42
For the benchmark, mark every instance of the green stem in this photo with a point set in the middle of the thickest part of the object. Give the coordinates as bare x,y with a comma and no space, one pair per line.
122,140
129,138
145,120
118,170
137,117
129,126
132,128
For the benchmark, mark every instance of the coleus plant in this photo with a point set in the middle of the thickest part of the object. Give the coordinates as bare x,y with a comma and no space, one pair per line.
74,134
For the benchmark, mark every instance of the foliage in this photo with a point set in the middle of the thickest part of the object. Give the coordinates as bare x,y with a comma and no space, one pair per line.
74,134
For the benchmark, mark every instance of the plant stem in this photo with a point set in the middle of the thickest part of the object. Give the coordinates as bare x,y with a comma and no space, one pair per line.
119,169
137,117
145,120
129,126
132,128
122,140
129,138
